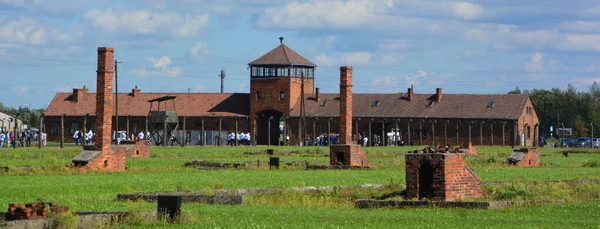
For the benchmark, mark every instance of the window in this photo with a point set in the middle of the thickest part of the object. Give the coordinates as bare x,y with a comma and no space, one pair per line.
259,72
54,129
258,95
282,72
93,128
375,103
270,71
528,133
74,127
491,104
281,95
311,72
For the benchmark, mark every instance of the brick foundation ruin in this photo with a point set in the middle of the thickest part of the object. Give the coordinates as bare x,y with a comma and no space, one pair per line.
103,156
136,149
440,174
346,152
526,157
36,210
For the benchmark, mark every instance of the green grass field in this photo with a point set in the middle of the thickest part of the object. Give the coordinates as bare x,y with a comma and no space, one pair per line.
165,171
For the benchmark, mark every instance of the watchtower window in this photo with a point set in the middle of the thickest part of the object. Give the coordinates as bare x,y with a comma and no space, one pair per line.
491,104
281,95
375,103
258,95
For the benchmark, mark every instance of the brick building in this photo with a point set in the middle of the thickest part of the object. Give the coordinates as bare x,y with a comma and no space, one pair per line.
282,82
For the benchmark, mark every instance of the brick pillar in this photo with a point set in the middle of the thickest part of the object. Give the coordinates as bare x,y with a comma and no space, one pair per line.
345,105
104,97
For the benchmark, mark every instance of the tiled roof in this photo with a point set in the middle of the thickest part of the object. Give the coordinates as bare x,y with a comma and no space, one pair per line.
282,55
461,106
186,104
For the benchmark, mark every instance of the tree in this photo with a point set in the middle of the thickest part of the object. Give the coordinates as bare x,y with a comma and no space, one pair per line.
516,91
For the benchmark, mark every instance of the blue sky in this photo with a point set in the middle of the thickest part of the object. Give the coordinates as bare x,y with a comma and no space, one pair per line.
491,46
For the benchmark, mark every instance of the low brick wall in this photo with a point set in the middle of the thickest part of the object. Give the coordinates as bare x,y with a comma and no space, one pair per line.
87,219
323,167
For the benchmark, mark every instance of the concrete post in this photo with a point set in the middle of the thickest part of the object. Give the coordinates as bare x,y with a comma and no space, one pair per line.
481,132
409,140
184,132
492,132
457,135
62,131
314,140
85,117
269,131
42,130
446,132
202,140
470,122
220,130
236,132
432,132
503,135
127,132
421,132
328,132
383,135
371,138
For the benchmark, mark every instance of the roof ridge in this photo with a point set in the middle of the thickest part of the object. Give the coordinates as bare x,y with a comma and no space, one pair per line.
285,53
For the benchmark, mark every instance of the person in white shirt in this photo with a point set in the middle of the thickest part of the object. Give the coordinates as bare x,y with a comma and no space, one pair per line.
2,138
141,136
249,138
76,137
122,137
88,137
43,137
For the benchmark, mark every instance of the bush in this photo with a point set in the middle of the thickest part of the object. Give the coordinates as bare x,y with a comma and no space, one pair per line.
592,163
65,221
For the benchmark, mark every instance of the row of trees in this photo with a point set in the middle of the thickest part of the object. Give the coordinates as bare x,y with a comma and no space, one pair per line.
575,109
29,116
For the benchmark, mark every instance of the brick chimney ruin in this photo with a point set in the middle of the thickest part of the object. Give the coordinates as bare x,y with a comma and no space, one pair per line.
102,156
78,93
346,152
438,94
135,91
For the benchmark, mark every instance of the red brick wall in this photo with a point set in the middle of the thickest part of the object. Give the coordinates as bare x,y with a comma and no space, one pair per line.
531,159
451,178
529,119
345,105
104,96
353,155
112,160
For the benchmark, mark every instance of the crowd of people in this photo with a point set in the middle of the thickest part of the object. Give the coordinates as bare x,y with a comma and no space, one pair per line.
23,138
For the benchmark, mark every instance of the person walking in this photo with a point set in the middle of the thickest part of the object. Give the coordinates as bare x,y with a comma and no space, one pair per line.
43,138
2,138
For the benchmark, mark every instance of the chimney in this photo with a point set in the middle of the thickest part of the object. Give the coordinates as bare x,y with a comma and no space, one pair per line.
135,91
438,94
78,93
104,97
345,105
317,94
410,94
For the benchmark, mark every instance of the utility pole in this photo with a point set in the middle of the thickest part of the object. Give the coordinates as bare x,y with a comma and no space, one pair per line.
222,76
302,107
117,101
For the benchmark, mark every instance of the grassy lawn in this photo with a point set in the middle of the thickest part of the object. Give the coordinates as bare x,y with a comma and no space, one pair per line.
165,171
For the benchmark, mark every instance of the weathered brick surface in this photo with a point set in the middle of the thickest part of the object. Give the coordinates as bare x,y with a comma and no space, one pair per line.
35,210
111,158
526,157
353,155
345,105
137,149
451,180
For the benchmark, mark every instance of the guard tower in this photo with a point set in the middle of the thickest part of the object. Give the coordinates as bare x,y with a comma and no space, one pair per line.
164,123
277,81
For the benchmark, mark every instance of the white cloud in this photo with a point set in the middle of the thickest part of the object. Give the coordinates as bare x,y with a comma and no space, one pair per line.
160,67
538,66
322,14
467,10
351,59
199,48
28,31
143,22
21,90
64,89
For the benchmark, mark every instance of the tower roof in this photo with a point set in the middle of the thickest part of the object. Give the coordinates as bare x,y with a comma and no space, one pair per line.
282,55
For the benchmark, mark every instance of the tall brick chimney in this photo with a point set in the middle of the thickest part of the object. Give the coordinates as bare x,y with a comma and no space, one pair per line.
438,94
104,97
78,93
410,94
317,90
135,91
345,105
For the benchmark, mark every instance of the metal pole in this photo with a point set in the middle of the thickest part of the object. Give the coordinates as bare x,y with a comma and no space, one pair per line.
269,131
